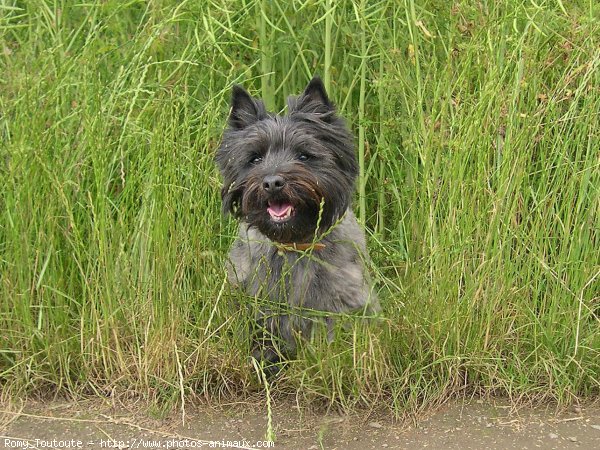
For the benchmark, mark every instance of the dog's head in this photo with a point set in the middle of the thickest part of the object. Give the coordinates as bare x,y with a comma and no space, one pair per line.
288,174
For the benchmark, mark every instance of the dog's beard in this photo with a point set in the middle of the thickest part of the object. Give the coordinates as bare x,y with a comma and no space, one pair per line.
294,214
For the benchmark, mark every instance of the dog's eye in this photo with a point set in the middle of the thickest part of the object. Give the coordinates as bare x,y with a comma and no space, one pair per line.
256,159
303,157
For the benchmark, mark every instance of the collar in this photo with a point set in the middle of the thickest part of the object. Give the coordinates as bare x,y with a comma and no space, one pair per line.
299,247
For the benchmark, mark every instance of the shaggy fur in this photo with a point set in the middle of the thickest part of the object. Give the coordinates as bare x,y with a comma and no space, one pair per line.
289,180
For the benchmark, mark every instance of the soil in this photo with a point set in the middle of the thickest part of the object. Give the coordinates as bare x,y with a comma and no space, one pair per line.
457,425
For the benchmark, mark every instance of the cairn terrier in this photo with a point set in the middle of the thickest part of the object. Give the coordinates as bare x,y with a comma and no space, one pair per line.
289,179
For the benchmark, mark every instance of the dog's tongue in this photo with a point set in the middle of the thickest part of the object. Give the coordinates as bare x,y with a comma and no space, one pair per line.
278,209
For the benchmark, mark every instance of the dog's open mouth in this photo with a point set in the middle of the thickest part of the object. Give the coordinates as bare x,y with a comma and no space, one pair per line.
280,211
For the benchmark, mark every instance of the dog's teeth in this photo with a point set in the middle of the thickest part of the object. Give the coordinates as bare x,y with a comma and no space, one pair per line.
280,212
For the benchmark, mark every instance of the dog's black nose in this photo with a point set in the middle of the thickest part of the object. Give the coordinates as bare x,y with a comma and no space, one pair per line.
273,183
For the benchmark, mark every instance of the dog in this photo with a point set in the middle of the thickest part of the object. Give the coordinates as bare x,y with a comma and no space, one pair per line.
289,179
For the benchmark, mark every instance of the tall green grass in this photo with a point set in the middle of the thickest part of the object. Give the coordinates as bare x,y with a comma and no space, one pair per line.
478,135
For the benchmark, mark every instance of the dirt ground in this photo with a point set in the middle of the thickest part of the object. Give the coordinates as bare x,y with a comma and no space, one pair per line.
458,425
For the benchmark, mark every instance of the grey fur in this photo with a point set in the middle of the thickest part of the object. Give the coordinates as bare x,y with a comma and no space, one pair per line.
301,286
329,280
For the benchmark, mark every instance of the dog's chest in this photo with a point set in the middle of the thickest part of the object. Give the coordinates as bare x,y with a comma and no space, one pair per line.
322,280
294,278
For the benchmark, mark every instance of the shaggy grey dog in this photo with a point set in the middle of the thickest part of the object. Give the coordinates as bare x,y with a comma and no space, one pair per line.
289,180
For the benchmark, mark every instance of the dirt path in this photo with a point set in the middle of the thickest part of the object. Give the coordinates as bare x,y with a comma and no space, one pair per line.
459,425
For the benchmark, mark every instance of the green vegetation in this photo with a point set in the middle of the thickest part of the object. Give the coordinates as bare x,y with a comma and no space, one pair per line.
480,154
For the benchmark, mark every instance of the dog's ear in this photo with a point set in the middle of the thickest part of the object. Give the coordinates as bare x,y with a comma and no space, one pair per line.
315,92
245,110
313,100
